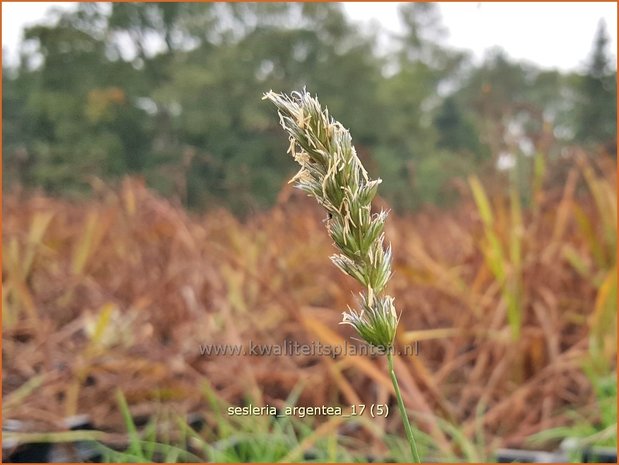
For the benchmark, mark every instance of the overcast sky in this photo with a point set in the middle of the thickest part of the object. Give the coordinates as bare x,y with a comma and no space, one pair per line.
552,35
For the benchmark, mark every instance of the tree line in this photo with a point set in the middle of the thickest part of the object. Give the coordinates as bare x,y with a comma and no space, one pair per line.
172,92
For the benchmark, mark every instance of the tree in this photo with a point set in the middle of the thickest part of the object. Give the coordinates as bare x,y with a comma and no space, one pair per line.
75,117
456,131
171,92
598,115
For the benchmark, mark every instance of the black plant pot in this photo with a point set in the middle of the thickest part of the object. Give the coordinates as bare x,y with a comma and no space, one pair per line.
563,455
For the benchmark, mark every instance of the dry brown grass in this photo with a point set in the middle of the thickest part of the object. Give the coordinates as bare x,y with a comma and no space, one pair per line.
120,291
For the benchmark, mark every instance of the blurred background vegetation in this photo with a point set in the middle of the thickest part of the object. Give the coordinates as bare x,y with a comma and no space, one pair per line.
146,213
171,92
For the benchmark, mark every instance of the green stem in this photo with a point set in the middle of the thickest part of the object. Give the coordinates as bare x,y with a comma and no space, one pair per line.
403,414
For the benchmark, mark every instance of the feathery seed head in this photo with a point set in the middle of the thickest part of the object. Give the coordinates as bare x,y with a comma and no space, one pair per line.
376,323
331,172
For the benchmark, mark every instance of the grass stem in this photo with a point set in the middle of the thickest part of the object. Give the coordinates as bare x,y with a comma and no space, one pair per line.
403,414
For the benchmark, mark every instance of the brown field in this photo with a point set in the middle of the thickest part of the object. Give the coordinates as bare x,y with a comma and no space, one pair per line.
508,303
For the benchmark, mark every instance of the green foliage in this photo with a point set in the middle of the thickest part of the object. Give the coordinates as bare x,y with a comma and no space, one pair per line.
240,439
456,131
599,428
168,92
145,446
598,111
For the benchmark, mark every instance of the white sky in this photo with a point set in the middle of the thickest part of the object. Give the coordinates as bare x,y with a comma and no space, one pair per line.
552,35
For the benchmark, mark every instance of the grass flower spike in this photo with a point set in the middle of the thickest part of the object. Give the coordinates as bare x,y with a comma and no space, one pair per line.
332,173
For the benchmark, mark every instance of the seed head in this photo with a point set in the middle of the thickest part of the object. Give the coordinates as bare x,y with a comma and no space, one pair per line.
376,323
332,173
